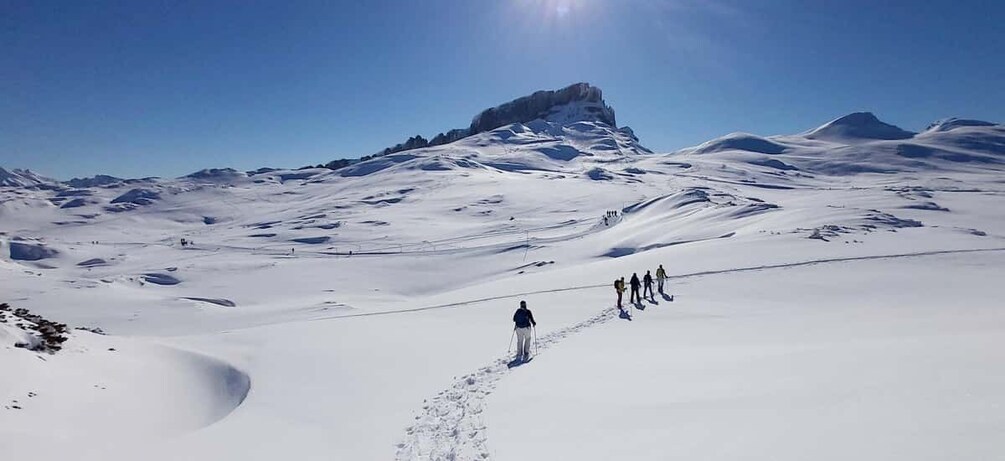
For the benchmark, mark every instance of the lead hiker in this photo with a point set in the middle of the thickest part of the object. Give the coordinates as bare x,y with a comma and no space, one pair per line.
523,320
661,275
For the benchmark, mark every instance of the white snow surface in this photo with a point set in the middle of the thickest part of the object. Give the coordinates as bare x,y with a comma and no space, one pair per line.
830,297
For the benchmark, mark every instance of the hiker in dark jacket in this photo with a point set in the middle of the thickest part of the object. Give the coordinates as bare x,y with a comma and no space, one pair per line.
634,296
523,320
647,283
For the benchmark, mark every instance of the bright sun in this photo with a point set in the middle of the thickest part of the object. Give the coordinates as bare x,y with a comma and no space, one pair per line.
556,10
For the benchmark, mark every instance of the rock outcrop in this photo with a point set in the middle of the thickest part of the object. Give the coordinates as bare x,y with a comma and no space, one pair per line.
580,102
574,103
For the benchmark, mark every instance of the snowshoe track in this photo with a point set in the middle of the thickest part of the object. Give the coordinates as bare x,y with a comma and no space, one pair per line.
451,425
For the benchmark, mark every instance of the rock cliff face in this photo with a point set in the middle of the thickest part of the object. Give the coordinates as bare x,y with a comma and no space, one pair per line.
578,102
575,103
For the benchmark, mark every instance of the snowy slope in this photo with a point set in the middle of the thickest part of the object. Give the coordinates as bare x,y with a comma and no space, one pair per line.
833,297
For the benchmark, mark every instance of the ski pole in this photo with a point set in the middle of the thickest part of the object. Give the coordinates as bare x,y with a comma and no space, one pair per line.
536,348
510,347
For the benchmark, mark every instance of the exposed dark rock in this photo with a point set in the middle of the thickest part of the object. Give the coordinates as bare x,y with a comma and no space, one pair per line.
577,102
49,335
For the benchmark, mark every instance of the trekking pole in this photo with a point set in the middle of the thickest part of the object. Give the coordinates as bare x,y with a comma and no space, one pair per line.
536,348
510,347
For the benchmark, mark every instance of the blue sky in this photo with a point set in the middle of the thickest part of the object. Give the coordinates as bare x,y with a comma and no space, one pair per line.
164,88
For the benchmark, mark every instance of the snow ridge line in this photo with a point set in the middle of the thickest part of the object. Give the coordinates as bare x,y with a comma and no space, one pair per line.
451,425
672,277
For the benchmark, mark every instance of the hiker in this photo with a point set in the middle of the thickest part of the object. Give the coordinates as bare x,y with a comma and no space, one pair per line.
523,321
619,287
647,282
661,275
634,295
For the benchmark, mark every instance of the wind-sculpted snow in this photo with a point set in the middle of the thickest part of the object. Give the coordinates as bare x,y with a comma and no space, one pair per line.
145,390
858,126
860,143
741,141
23,178
138,197
28,250
415,260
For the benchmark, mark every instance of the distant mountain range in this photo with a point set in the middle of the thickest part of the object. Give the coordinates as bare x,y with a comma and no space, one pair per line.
575,121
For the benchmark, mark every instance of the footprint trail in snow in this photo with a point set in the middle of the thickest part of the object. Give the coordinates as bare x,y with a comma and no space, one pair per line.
451,425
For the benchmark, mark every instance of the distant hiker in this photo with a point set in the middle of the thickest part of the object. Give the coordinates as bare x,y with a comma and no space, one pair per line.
293,250
523,321
634,295
647,281
661,275
605,220
619,287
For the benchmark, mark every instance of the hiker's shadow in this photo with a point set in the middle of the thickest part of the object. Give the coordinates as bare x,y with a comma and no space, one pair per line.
638,305
667,298
653,301
624,315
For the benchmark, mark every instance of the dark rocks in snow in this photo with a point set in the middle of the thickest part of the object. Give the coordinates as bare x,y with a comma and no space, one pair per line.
827,232
48,336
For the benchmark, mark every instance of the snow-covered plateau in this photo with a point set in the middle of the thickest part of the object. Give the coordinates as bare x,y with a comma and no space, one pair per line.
831,295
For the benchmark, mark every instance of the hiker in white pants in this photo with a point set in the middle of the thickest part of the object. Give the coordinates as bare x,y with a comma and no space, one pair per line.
524,321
